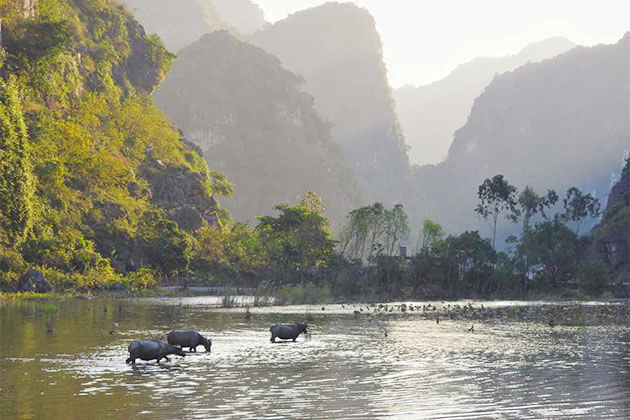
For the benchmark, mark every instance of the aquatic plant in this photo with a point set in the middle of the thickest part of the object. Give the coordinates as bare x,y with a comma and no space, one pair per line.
49,311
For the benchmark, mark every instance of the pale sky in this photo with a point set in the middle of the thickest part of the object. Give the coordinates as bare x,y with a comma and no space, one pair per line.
423,40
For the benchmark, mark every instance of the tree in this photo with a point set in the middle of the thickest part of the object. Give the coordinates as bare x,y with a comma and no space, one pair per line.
531,203
297,239
165,246
355,233
431,235
313,203
472,258
579,206
497,196
376,222
554,247
396,228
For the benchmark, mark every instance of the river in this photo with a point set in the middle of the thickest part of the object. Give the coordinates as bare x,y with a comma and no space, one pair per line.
351,365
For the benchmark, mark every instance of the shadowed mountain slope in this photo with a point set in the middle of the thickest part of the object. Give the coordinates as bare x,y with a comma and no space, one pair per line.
252,121
337,50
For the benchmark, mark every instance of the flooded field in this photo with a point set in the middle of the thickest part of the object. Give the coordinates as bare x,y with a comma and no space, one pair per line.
411,364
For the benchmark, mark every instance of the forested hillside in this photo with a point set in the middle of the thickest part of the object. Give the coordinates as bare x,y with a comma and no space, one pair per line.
252,121
554,124
429,115
96,181
337,50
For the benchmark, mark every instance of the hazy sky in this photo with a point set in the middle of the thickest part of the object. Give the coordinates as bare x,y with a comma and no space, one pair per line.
423,40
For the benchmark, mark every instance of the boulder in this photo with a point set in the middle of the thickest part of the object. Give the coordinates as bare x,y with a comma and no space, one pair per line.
34,281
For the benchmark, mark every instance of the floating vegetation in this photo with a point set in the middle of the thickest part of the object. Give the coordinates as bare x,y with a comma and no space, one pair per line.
552,314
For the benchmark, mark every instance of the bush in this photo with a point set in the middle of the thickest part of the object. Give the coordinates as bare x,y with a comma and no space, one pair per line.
144,278
593,276
12,266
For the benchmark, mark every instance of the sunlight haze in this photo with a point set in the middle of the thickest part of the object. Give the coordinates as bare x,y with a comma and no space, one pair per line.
424,40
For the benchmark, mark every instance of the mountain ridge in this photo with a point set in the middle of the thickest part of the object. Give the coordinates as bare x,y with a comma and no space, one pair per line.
430,114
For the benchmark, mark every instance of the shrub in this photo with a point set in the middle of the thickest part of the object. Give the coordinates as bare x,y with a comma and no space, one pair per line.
145,278
12,266
593,276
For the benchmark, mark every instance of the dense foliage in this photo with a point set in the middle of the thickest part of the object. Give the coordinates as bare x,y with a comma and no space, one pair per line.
83,147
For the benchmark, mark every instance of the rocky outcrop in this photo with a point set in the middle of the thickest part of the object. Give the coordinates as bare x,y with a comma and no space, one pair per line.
611,238
142,69
34,281
183,194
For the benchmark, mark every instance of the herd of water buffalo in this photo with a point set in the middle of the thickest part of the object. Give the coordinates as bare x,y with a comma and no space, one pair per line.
177,340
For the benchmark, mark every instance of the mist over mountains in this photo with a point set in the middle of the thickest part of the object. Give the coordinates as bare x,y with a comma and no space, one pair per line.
180,23
553,124
252,121
429,115
540,117
337,50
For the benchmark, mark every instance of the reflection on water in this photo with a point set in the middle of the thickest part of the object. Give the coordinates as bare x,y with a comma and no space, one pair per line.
398,365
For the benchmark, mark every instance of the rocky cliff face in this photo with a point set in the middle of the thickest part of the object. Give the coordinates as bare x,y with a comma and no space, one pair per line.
338,51
248,115
554,124
430,115
611,238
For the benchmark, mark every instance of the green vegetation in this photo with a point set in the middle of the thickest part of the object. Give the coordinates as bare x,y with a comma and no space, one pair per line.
83,151
99,191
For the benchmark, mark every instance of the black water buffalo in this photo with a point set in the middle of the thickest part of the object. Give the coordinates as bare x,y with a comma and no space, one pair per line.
188,338
287,331
152,349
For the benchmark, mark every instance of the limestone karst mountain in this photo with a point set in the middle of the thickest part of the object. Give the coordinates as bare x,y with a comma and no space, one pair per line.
253,122
182,22
337,50
553,124
429,115
244,15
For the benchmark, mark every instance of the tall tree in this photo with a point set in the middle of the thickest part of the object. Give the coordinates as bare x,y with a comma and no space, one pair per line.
578,207
396,228
431,235
496,197
531,203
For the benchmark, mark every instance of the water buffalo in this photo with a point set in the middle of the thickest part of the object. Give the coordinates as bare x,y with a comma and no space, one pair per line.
287,331
188,338
152,349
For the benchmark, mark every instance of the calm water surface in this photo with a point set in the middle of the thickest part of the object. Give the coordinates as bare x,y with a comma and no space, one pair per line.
351,366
